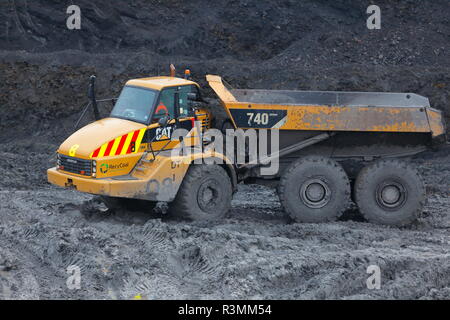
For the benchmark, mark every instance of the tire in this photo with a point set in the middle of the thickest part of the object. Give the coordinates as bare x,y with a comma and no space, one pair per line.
314,189
390,192
116,203
204,195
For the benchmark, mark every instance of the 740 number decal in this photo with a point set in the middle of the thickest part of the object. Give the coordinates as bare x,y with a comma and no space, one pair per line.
258,118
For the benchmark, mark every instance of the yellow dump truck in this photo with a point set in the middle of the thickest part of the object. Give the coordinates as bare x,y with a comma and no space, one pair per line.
322,135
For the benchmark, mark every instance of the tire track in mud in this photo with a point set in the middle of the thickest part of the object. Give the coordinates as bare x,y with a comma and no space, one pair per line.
174,256
27,275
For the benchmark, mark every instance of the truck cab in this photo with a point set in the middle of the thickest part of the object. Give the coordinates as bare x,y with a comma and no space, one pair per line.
113,145
131,155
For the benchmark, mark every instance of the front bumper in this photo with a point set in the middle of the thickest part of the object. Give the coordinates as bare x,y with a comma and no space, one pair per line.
88,185
132,188
125,187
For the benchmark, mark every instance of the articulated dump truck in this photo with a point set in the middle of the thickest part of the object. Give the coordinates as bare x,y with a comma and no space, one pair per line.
333,148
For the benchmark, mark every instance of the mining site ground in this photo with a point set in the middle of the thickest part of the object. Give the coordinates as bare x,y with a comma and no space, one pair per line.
256,253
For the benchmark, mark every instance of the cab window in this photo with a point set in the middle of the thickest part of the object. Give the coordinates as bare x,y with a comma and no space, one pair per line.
166,105
134,104
184,102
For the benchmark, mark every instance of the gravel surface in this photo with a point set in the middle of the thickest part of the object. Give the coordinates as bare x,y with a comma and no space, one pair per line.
255,253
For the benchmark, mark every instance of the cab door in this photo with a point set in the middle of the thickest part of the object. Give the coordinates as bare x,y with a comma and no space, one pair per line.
162,135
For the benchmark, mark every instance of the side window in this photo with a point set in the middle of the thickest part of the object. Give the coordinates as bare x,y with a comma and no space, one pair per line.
166,104
184,103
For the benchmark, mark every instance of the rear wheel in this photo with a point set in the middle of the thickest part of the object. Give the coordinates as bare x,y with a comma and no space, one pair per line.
204,194
390,192
314,189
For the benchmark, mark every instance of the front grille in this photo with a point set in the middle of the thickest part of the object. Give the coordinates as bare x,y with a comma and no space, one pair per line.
75,165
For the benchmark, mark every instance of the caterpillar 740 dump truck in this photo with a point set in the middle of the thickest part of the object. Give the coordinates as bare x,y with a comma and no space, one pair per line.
130,154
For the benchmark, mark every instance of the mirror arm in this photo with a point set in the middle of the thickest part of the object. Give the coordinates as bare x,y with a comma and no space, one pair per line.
92,97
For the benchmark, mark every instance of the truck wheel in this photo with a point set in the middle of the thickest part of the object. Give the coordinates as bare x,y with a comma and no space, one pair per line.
116,203
204,194
314,189
390,192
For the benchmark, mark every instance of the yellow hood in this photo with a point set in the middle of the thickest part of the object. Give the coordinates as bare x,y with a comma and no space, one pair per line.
106,137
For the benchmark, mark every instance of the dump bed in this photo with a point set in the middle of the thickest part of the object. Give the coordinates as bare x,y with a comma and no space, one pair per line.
328,110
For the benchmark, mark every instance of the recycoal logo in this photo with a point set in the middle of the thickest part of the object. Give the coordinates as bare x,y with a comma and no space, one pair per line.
104,168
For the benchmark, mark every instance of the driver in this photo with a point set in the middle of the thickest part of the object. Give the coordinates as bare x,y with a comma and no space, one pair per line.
161,111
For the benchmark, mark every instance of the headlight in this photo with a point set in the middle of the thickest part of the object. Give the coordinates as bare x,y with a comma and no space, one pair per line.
58,160
94,166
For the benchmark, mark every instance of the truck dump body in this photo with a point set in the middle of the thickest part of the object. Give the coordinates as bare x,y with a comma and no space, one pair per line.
330,98
329,110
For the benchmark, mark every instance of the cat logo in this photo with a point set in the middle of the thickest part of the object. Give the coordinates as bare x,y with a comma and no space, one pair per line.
163,133
73,150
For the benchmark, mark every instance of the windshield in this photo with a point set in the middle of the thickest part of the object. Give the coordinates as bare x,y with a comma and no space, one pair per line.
134,104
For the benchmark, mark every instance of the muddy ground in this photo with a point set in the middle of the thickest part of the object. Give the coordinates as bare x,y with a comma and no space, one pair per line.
256,252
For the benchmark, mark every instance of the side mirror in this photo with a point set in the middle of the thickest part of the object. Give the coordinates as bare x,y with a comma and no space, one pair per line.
91,90
193,96
163,121
91,96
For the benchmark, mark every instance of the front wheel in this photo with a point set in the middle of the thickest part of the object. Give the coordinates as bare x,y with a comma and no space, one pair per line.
204,194
390,192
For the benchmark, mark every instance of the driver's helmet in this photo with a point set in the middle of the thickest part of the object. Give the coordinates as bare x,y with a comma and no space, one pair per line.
161,110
